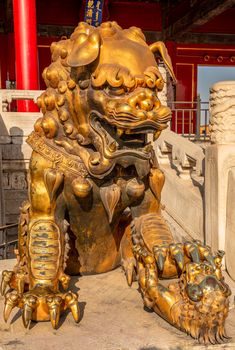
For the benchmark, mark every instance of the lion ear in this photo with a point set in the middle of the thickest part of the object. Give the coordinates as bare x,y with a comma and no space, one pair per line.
161,49
86,52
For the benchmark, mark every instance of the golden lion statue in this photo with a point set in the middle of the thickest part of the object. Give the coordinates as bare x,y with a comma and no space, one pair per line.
95,189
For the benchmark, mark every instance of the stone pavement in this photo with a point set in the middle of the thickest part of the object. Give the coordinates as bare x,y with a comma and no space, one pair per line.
112,318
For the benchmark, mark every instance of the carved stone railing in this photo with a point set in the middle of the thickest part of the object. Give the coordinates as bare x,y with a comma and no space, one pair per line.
16,126
7,96
183,164
15,153
185,155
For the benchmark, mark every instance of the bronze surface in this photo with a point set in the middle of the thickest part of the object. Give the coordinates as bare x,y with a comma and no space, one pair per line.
95,189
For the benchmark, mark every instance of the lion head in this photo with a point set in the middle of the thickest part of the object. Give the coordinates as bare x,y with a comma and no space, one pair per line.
203,302
101,99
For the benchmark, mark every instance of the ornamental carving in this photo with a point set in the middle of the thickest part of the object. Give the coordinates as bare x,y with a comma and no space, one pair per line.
222,112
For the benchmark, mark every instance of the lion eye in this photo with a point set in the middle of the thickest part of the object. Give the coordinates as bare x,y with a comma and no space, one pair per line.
194,292
115,91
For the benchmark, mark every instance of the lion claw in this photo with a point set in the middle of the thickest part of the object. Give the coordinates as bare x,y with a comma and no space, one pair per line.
177,253
6,278
54,306
12,300
40,304
129,266
30,303
71,302
182,253
160,253
192,251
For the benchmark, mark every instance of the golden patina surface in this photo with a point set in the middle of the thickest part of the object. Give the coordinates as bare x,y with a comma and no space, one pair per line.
95,189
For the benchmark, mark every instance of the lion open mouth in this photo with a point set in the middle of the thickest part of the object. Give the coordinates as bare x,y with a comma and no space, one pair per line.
118,141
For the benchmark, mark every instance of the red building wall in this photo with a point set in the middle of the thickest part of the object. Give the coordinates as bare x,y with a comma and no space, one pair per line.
68,13
147,15
7,59
186,59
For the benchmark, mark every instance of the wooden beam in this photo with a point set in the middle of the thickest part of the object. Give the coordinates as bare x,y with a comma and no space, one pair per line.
151,36
206,38
8,18
54,30
200,13
58,31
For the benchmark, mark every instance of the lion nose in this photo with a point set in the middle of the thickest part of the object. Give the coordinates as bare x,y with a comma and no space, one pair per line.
144,99
146,105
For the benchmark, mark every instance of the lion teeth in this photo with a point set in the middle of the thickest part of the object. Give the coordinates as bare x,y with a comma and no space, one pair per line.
148,148
120,132
113,146
156,135
95,161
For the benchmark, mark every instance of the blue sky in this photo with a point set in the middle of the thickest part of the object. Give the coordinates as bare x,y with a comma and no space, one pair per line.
210,75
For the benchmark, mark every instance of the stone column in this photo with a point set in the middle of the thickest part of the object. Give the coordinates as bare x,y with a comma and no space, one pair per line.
220,173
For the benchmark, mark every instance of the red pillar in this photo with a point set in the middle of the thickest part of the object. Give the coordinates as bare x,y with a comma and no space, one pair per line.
26,50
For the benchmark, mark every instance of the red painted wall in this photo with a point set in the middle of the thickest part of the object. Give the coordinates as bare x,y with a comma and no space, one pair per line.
147,15
7,59
186,59
144,15
56,12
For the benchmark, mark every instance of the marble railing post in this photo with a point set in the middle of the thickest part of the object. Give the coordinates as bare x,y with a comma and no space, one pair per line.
220,173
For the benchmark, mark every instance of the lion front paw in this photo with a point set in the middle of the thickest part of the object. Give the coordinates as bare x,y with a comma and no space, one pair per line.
41,304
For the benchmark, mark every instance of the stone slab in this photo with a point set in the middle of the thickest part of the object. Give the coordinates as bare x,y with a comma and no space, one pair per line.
11,218
15,165
113,318
5,139
18,140
12,204
17,124
16,152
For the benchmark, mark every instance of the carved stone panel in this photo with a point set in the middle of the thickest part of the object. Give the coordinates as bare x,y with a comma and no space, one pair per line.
15,180
222,111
